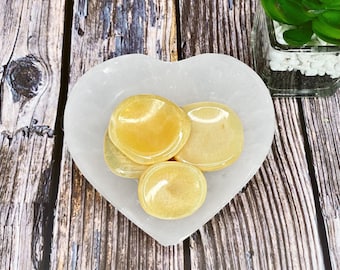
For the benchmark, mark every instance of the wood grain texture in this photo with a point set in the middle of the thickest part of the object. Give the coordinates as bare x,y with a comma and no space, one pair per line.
272,223
91,234
322,127
105,29
29,90
216,26
88,232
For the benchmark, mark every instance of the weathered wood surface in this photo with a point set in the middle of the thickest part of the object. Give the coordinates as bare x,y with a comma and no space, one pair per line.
30,70
287,217
322,123
277,210
89,233
273,214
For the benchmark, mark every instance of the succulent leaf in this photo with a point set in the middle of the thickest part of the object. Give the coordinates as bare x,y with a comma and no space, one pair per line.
294,12
327,29
298,36
271,8
321,16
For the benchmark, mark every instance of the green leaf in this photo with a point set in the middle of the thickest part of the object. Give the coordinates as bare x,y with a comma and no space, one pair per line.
298,36
327,27
330,4
271,7
330,1
328,39
314,5
294,12
331,17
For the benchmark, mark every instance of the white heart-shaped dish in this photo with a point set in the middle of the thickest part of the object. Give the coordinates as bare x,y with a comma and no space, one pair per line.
205,77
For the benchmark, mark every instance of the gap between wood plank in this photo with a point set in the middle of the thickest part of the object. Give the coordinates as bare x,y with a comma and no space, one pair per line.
309,157
178,30
186,242
58,134
314,184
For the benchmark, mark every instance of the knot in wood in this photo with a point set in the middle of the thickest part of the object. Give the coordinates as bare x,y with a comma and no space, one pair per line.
24,76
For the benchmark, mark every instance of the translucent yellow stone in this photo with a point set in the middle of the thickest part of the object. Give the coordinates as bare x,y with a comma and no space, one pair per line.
216,139
171,190
149,128
119,163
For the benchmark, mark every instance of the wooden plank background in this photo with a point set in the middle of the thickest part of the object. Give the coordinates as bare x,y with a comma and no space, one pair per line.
31,46
90,233
287,217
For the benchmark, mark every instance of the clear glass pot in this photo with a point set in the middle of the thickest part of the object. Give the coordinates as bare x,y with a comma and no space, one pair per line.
310,70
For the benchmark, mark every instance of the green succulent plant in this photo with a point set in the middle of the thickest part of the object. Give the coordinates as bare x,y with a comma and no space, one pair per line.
321,17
